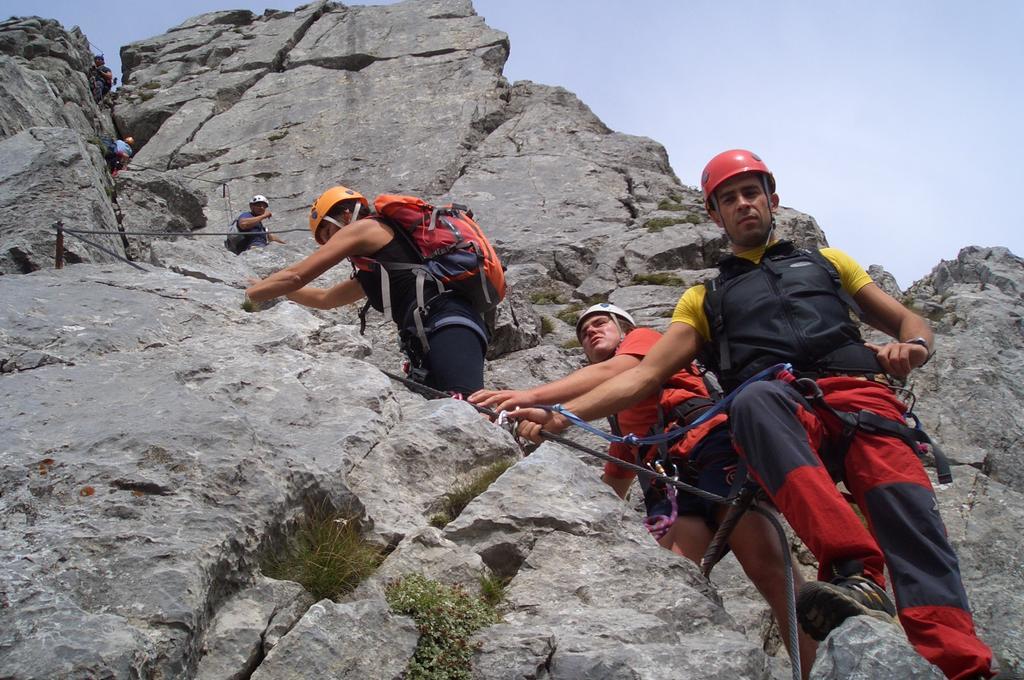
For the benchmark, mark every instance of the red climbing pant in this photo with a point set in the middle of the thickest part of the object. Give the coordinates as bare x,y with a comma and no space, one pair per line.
785,443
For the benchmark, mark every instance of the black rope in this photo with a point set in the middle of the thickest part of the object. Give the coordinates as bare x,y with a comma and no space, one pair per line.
105,250
787,559
700,493
182,233
134,166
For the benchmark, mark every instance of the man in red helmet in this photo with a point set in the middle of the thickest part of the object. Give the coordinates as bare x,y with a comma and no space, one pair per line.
774,303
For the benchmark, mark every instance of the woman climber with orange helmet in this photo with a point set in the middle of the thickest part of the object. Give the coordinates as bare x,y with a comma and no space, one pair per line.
341,223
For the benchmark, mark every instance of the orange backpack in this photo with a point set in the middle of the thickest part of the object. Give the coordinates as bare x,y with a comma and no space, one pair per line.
453,250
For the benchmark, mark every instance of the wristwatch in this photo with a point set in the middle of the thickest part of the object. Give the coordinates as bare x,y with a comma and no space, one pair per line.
918,341
924,343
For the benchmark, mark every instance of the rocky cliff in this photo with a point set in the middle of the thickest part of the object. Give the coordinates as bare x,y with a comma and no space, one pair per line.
158,440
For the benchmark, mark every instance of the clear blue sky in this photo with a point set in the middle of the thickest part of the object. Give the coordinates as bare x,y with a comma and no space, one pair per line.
897,125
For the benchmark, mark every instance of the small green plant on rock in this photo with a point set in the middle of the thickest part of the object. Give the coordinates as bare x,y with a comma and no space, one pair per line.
657,224
277,136
446,617
571,343
571,314
492,589
326,555
666,204
547,297
657,279
456,500
249,306
547,325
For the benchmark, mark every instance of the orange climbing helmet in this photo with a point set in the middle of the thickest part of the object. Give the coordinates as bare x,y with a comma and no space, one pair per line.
327,200
729,164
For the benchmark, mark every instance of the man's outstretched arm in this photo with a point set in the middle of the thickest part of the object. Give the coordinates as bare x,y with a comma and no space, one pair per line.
676,349
573,385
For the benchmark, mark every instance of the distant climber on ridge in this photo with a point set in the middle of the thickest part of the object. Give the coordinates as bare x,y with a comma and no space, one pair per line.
101,78
252,232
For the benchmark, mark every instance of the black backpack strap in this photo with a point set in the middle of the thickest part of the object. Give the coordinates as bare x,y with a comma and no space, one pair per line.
837,281
689,410
714,390
362,317
713,301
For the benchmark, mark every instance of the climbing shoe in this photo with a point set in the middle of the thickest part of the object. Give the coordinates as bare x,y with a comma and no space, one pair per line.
821,606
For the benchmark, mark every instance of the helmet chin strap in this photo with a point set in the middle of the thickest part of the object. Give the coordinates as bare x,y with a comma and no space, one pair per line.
771,213
618,327
339,225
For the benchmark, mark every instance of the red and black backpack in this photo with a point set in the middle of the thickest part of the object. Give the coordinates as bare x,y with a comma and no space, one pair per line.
454,253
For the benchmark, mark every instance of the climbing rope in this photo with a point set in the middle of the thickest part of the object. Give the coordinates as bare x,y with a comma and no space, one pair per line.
78,233
769,373
175,233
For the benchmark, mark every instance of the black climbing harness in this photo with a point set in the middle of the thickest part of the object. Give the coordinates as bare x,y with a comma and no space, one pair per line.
871,423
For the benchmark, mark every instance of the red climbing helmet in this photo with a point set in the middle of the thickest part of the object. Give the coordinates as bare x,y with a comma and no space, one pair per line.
729,164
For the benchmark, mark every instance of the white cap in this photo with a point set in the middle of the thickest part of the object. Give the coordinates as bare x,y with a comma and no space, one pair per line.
603,308
259,198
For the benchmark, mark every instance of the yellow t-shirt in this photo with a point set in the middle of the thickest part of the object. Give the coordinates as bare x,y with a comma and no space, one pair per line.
690,308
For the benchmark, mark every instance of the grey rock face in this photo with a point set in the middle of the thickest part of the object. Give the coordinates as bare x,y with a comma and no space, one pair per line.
50,174
866,649
971,390
349,641
45,80
601,617
985,519
249,625
29,100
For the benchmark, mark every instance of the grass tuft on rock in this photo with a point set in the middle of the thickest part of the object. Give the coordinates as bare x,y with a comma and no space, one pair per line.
571,314
446,617
547,297
670,205
657,224
456,500
547,325
657,279
326,555
492,589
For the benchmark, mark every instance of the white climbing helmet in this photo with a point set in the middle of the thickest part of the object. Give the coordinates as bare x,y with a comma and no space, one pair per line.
605,308
259,198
